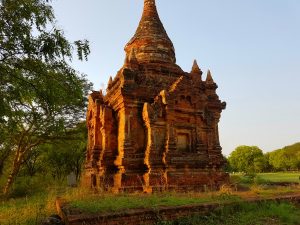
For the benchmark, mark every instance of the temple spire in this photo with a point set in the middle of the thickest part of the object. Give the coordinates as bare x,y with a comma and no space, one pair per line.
151,41
150,8
110,81
196,69
209,79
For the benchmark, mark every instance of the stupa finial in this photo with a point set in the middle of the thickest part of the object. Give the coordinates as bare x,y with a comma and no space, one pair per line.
150,34
196,69
209,79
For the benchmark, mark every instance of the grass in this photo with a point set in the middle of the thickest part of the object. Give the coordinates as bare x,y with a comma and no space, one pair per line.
98,203
31,210
261,185
34,209
32,201
273,191
266,178
280,177
246,214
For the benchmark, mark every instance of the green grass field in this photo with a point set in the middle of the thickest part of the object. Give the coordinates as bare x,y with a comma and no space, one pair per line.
280,177
265,178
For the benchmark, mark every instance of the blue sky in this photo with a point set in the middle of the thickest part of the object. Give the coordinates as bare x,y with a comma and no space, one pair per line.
252,48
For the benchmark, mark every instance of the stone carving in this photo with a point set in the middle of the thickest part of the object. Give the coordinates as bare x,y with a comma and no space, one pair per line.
157,126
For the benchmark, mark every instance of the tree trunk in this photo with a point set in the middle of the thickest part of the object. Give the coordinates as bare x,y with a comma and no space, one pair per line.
14,171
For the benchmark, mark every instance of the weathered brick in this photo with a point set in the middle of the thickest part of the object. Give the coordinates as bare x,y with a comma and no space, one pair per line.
157,126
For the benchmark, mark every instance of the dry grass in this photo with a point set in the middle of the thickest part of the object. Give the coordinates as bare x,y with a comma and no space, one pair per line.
38,205
29,211
88,201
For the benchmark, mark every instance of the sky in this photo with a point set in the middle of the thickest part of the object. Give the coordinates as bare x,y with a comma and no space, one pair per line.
252,48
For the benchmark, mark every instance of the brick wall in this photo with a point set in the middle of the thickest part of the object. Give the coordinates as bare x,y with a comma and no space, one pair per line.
148,216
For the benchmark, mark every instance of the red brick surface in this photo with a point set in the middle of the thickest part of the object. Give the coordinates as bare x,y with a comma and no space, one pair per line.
157,126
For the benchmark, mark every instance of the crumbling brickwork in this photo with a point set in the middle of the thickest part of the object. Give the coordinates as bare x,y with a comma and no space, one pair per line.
157,126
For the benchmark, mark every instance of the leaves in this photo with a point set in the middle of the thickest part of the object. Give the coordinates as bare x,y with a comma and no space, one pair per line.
66,155
248,159
83,49
251,159
41,95
287,158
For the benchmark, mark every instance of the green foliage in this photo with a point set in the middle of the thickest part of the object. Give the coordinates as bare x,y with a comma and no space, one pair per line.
247,180
246,214
56,159
49,164
63,157
41,95
4,155
248,159
287,158
32,163
24,187
227,166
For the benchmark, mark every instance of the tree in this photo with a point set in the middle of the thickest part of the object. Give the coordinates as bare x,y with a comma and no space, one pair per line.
5,150
226,167
63,157
287,158
268,167
40,94
32,163
248,159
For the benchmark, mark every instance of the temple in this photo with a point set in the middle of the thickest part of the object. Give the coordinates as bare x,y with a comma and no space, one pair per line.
156,128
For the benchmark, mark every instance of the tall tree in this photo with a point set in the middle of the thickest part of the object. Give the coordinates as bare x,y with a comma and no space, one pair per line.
64,157
247,159
287,158
41,95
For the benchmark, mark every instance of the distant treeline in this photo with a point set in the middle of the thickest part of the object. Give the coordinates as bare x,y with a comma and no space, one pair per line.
251,159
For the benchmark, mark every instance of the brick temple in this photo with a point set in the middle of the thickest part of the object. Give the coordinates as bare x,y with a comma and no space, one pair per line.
156,128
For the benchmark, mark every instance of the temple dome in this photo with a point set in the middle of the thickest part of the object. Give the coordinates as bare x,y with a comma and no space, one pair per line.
150,41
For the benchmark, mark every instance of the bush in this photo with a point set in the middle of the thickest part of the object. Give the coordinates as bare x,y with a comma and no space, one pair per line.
32,186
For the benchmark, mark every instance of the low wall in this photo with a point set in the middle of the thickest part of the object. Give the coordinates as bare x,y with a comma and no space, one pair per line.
149,216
